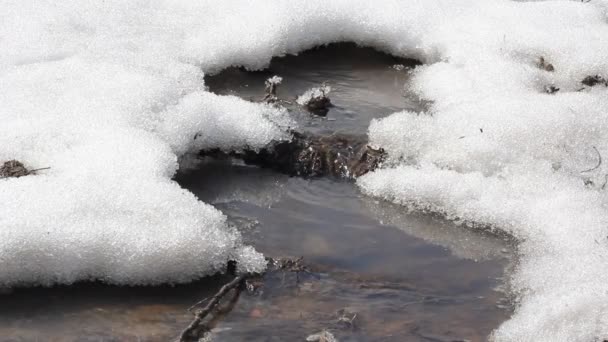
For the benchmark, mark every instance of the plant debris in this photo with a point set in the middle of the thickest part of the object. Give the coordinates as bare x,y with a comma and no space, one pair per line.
200,327
338,155
551,89
197,328
594,80
347,318
271,89
16,169
545,65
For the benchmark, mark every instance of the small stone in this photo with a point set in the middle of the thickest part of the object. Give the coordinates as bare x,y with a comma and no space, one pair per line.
316,100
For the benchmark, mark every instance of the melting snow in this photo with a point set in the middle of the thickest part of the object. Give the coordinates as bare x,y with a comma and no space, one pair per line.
110,94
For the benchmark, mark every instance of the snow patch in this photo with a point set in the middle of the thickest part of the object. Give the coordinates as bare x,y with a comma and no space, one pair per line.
110,94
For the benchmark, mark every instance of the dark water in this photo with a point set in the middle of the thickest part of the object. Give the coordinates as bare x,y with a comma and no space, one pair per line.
406,277
364,85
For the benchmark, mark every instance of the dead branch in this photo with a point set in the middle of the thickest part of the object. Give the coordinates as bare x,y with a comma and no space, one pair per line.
599,161
198,328
220,313
190,333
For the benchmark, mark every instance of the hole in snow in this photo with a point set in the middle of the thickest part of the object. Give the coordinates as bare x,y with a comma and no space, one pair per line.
364,83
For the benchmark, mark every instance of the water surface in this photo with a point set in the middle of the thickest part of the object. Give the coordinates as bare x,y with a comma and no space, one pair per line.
364,85
406,277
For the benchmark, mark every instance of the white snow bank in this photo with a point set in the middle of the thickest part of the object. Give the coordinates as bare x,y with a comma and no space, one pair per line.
109,94
495,150
100,95
107,208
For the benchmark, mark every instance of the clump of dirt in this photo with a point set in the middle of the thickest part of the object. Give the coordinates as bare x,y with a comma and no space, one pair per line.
338,155
594,80
543,64
306,155
16,169
13,168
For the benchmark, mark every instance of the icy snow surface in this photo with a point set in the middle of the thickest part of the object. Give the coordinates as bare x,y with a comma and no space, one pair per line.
110,94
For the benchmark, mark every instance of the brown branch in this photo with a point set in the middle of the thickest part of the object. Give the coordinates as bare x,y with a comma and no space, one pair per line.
599,161
197,327
238,283
223,311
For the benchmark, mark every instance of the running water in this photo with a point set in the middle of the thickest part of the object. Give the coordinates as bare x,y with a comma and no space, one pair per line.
405,277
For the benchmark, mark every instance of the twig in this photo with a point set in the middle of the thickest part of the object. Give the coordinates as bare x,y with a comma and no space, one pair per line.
599,162
197,327
236,283
221,312
40,169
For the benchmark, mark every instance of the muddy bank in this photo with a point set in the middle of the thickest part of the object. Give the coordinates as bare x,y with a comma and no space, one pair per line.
306,155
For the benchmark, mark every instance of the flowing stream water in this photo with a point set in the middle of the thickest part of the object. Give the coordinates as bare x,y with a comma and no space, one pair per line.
402,276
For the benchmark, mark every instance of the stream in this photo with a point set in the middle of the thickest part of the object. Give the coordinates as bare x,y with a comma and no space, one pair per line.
402,276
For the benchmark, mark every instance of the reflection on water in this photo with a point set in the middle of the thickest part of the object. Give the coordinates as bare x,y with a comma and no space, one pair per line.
406,277
364,84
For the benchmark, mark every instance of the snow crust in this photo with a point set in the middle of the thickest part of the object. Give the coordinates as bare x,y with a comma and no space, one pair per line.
110,94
